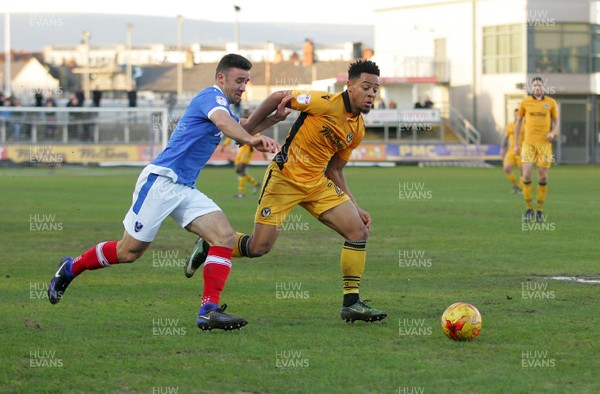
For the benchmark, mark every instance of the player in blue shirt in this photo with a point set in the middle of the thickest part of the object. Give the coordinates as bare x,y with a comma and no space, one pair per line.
166,187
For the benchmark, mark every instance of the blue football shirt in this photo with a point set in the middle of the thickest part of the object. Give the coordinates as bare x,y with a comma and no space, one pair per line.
194,139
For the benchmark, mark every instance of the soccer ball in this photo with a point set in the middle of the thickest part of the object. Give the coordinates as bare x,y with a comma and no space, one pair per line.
461,322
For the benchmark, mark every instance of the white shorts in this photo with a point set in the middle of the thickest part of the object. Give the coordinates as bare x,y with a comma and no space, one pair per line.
155,197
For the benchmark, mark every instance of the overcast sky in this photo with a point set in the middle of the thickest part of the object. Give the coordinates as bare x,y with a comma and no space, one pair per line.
304,11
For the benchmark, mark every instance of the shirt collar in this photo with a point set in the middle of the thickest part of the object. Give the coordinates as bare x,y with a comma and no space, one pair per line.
217,87
347,104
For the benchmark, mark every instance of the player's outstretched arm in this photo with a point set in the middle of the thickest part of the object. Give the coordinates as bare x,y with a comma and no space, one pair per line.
232,129
280,114
270,104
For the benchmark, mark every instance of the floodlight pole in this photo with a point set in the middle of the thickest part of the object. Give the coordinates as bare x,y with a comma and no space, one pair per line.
128,68
86,73
7,59
180,63
236,32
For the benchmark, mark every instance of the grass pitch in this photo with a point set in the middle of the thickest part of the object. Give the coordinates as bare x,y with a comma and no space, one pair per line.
439,235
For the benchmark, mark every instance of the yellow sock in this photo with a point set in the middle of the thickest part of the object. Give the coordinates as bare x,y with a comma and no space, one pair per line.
512,179
251,179
527,193
241,248
353,259
542,191
242,180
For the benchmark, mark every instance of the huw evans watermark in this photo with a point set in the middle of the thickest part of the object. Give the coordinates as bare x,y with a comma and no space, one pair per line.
414,327
167,327
413,258
165,389
294,222
290,290
44,359
413,191
536,291
45,20
168,259
411,390
536,359
38,290
540,19
45,155
290,359
44,222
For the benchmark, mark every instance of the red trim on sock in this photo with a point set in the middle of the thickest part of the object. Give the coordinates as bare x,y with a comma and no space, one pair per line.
90,260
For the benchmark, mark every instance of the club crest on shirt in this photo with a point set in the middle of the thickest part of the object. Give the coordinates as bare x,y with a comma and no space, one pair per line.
546,106
265,212
349,137
303,99
221,100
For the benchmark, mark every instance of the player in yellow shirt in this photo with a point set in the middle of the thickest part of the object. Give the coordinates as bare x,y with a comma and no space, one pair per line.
308,171
510,158
541,128
242,160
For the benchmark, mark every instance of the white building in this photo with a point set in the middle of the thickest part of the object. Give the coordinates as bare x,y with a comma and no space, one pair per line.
477,56
29,77
196,53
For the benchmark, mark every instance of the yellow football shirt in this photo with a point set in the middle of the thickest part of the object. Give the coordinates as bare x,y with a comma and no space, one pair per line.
510,133
324,128
538,115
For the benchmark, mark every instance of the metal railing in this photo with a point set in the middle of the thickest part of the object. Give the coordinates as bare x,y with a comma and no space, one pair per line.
464,130
404,125
84,125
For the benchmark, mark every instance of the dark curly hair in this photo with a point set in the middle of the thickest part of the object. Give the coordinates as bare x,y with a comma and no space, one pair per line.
362,66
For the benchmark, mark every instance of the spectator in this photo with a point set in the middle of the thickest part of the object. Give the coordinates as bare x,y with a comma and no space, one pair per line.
96,96
75,126
51,129
428,103
80,97
418,104
392,104
171,101
132,97
39,98
17,126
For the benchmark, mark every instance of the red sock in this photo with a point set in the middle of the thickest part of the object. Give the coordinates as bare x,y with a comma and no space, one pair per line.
216,271
102,255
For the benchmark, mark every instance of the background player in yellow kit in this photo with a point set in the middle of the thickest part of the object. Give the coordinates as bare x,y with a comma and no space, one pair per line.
242,160
308,171
510,158
541,128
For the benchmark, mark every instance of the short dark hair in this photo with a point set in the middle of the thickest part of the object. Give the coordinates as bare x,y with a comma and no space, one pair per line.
537,79
362,66
233,60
